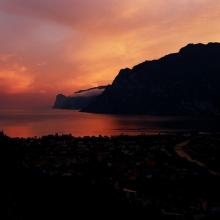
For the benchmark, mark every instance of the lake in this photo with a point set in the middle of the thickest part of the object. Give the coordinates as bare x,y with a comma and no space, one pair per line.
30,123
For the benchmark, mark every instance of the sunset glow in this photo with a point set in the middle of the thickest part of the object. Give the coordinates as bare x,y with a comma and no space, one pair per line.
59,46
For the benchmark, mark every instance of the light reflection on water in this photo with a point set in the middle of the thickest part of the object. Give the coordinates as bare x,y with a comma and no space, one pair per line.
29,123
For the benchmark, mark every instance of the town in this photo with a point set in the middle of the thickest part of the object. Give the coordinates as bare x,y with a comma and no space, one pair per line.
172,176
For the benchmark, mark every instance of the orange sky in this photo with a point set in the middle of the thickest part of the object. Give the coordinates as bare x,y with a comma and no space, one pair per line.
53,46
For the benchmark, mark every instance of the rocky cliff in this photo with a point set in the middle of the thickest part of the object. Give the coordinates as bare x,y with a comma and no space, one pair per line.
183,83
79,99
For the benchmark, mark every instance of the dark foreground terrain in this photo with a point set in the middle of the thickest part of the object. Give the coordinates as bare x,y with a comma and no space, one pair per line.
172,176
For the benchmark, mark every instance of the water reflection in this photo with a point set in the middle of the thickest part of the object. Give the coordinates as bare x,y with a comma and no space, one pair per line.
28,123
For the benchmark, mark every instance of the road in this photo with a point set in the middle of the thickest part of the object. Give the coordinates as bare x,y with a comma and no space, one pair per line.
181,152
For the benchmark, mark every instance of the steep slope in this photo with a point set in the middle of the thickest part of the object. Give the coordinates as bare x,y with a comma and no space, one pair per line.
184,83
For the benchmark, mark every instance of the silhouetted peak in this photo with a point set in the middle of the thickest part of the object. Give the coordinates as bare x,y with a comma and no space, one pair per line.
122,74
124,71
181,83
192,48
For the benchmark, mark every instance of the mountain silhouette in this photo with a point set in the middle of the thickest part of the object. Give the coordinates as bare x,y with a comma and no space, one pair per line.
183,83
79,99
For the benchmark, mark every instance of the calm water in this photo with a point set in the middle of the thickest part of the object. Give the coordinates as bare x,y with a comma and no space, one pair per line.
29,123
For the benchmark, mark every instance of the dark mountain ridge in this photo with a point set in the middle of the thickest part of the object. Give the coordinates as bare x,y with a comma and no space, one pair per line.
79,99
183,83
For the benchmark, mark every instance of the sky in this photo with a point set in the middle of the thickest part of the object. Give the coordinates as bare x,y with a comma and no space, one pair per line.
60,46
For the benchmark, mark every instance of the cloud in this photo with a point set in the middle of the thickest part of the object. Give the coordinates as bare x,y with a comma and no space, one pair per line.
68,45
13,82
14,78
106,15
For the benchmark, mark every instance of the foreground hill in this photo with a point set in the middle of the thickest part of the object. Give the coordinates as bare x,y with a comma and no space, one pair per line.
183,83
60,177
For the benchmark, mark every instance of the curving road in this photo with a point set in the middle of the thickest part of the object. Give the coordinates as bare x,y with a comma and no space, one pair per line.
180,151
